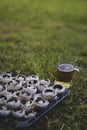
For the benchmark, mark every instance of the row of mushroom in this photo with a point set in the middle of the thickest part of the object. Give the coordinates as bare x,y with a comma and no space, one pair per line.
24,96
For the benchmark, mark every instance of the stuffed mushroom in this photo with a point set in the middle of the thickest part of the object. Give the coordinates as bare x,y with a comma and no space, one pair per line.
41,87
30,88
28,105
49,94
14,85
32,77
45,82
30,114
58,88
24,95
40,102
3,89
21,78
4,111
18,112
13,103
6,77
3,99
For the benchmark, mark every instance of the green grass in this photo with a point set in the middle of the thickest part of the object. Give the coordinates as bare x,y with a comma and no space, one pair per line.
33,33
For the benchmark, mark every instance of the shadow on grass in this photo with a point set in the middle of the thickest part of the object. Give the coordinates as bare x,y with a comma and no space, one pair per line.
41,124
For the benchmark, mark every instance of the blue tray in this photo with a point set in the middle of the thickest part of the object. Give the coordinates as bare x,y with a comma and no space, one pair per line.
40,114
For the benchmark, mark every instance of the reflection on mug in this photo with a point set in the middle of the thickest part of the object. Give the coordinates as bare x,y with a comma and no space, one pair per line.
65,74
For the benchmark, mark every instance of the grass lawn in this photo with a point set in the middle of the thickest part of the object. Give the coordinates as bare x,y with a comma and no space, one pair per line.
33,33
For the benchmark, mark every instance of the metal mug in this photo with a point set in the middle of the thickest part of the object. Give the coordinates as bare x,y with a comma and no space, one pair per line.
65,73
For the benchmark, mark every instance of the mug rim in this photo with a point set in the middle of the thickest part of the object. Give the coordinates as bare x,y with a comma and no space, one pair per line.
70,70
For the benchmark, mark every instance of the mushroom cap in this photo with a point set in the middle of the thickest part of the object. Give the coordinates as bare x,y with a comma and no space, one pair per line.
32,77
45,82
9,94
28,105
3,99
3,89
41,103
58,88
24,95
30,88
33,82
30,115
6,77
21,78
13,103
41,87
18,113
4,111
14,85
49,93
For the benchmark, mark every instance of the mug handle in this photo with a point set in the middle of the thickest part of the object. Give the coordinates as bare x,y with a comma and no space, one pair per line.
77,69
